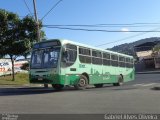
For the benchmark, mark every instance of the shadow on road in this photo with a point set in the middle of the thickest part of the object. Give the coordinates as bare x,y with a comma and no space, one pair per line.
41,90
31,90
156,88
24,91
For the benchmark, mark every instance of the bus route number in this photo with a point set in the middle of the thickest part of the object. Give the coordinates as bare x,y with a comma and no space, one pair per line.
81,66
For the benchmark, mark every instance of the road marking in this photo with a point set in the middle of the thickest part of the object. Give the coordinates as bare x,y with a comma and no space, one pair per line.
138,84
144,85
149,84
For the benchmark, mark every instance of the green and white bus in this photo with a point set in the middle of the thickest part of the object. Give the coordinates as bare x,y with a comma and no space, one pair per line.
64,62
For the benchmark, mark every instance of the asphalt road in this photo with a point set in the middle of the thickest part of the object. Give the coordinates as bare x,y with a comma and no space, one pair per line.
137,96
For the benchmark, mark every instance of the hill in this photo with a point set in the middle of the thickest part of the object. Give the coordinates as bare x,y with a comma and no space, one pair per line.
128,48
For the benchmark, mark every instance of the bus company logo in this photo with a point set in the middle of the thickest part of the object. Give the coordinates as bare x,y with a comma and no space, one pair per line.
81,66
106,76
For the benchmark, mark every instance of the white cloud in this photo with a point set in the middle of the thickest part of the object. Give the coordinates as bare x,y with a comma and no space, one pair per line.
125,30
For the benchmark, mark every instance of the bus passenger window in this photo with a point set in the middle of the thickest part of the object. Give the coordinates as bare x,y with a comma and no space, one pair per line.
70,56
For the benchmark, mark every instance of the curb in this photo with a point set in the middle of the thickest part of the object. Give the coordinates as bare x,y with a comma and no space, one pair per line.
24,85
149,72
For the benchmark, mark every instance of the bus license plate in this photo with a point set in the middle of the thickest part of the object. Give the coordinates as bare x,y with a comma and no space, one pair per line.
40,78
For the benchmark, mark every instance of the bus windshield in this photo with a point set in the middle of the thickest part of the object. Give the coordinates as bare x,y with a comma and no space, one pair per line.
45,58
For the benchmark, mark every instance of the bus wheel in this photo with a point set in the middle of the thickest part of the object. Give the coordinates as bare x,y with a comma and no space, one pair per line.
98,85
120,81
82,83
57,86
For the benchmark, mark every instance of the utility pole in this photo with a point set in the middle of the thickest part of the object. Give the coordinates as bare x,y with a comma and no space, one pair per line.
38,30
37,23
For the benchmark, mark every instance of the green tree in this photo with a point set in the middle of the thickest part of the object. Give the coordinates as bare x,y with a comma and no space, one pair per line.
29,32
156,50
16,35
8,33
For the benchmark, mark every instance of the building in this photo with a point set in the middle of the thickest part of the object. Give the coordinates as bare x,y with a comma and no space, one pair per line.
145,55
5,67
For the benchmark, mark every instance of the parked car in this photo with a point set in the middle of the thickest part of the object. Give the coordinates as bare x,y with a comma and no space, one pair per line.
19,70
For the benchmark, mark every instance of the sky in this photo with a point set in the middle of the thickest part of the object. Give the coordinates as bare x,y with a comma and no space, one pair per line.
91,12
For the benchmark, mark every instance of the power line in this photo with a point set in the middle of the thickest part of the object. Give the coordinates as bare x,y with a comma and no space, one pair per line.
140,23
98,30
139,34
54,6
127,37
100,25
119,24
27,7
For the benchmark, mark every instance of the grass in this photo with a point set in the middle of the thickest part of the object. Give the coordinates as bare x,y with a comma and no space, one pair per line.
20,79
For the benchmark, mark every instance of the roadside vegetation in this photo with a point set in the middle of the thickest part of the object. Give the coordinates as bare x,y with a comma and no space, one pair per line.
20,79
17,35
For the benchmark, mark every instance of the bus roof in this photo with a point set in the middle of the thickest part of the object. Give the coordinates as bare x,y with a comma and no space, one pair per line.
65,41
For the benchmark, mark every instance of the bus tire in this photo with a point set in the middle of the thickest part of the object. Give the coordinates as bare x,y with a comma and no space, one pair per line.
120,81
57,87
98,85
82,83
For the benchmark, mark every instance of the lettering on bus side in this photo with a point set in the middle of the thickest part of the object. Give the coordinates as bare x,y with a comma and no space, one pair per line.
106,76
82,66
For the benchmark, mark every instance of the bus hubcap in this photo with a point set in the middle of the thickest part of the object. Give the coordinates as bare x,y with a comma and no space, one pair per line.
82,82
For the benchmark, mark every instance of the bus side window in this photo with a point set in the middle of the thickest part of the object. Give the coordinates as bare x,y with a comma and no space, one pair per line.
114,60
96,57
70,55
65,56
121,61
84,55
127,62
106,59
